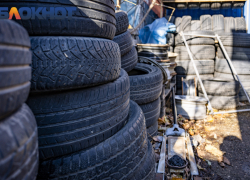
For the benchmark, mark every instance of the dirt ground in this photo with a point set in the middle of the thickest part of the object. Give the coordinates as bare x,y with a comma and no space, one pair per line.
226,146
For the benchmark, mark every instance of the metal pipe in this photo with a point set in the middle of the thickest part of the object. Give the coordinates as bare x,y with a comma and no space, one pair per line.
198,35
197,73
232,66
233,111
174,107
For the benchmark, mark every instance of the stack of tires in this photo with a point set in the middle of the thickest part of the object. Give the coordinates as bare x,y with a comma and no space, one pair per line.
18,128
202,49
237,44
145,89
124,39
87,126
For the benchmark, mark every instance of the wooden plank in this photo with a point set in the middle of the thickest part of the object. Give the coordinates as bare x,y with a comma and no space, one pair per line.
186,1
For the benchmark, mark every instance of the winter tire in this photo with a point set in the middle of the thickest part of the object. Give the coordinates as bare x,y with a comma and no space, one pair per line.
130,60
70,121
122,22
152,130
125,42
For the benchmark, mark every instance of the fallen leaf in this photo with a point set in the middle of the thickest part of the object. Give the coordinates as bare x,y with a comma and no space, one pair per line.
222,164
208,128
210,119
191,132
226,161
186,126
209,163
199,167
213,150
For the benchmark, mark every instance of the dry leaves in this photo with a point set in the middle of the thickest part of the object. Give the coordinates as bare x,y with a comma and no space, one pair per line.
226,161
213,150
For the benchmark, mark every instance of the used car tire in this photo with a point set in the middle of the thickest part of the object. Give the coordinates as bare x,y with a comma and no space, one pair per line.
199,52
223,102
178,24
241,66
206,22
91,18
195,25
240,24
60,63
186,67
130,60
194,40
19,146
234,53
145,83
125,42
244,78
178,78
186,23
122,22
229,27
235,39
151,111
122,156
220,87
69,121
152,130
15,72
218,22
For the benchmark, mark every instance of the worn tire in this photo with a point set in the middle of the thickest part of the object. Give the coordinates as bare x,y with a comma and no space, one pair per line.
60,63
223,102
118,157
241,66
199,52
145,83
15,72
240,24
92,18
235,39
151,111
186,23
186,67
177,23
157,56
234,53
122,22
206,22
229,27
130,60
19,146
152,130
194,40
218,23
186,77
195,25
220,87
70,121
125,42
171,39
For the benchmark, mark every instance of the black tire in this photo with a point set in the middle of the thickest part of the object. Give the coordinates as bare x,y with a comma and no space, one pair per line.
177,23
181,5
194,5
120,156
92,18
186,67
145,83
152,130
125,42
157,56
241,66
19,146
15,72
218,23
199,52
73,62
223,102
151,111
122,22
194,40
240,24
186,23
206,22
195,25
220,87
235,53
130,60
226,5
215,6
235,39
185,77
70,121
204,6
229,26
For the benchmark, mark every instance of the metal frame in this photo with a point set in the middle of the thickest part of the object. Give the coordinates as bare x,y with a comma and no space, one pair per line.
230,65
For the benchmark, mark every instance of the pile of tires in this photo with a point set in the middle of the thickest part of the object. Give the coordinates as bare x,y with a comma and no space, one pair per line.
124,39
222,93
87,126
145,89
18,128
202,49
237,44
